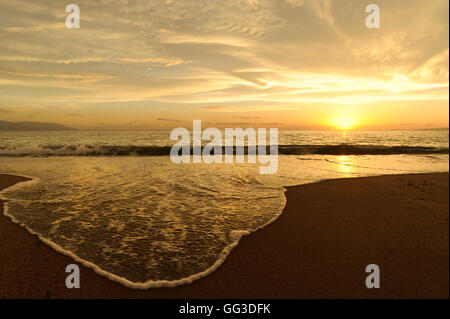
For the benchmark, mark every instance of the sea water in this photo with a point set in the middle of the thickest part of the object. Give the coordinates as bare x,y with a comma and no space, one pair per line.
115,202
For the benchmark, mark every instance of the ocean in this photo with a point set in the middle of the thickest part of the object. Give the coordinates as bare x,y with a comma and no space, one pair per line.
114,201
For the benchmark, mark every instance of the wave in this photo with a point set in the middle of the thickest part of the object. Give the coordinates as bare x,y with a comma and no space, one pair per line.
235,236
337,149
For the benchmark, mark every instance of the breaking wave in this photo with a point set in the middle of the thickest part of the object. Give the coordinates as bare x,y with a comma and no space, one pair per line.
337,149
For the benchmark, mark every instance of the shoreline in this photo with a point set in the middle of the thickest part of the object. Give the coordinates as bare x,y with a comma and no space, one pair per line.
243,260
19,180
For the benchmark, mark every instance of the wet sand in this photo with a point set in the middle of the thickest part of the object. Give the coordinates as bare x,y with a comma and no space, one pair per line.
318,248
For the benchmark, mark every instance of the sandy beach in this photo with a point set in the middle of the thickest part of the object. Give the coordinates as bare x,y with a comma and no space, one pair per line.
318,248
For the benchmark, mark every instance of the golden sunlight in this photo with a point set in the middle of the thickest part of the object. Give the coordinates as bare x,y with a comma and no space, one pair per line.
344,122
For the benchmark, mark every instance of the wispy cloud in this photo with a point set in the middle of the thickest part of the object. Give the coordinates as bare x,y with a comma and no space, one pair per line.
217,107
167,120
245,123
204,58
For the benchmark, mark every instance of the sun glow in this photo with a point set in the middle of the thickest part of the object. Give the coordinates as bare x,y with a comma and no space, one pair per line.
344,123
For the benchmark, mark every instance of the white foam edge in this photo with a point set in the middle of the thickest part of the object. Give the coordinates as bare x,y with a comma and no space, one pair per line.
235,236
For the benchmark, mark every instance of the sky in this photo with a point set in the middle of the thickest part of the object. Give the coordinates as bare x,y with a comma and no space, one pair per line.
290,64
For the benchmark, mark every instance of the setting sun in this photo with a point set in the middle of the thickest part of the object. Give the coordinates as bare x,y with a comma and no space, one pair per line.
344,123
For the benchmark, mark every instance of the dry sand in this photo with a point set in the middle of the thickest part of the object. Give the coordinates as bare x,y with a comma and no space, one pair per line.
318,248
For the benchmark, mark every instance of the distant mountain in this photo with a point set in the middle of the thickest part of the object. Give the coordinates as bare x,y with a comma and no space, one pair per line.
31,126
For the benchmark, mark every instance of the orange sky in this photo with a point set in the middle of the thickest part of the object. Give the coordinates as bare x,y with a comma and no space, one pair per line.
290,64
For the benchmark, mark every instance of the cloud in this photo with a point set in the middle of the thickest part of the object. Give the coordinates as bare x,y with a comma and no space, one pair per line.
247,117
167,120
245,123
222,56
217,107
167,62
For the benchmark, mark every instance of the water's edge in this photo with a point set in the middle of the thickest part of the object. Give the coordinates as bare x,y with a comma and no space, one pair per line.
235,237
